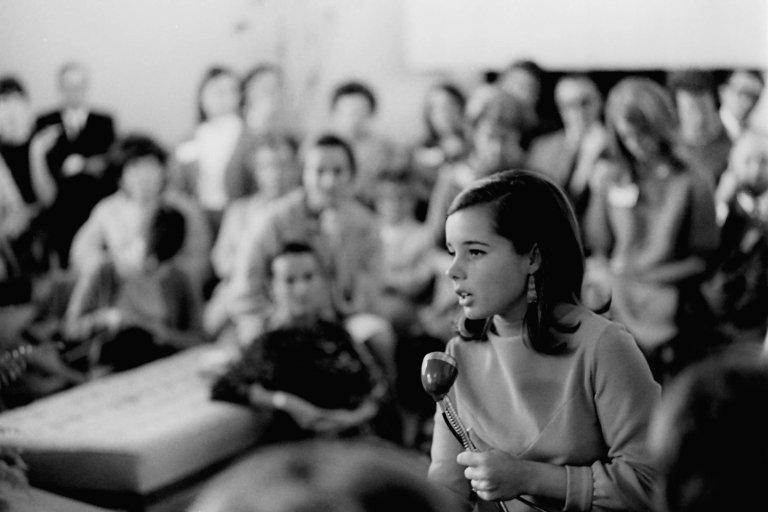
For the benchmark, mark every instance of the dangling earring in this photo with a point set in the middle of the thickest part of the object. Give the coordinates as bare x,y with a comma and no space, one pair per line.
532,295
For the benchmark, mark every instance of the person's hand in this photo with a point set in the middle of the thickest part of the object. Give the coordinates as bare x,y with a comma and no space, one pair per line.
73,164
496,475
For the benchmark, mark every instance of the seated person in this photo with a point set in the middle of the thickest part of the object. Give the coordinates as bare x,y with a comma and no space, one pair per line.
737,289
406,274
343,232
739,95
568,156
496,132
708,443
115,228
147,314
705,142
304,362
353,107
68,159
275,174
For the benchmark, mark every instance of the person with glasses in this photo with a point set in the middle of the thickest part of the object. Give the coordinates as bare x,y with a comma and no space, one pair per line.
568,156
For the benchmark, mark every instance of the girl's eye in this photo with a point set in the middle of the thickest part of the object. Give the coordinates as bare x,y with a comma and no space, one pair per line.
451,252
475,252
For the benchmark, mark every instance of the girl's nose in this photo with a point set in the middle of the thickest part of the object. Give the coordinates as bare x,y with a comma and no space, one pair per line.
454,270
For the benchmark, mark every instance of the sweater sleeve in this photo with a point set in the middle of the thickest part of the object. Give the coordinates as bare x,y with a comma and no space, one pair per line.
625,396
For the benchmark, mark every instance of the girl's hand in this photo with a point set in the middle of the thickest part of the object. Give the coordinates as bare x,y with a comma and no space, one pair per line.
496,475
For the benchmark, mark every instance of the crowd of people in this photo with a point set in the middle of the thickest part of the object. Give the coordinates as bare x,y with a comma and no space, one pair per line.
628,242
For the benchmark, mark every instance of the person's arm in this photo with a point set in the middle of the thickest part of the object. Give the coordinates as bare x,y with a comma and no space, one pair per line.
89,245
42,181
308,415
194,254
89,308
248,288
625,396
15,215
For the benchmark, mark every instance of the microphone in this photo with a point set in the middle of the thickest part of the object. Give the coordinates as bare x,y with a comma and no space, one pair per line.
438,373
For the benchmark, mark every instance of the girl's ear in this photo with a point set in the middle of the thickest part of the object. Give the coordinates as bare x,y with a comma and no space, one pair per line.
534,259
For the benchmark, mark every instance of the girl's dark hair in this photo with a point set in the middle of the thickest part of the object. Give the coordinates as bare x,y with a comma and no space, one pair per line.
329,140
261,69
133,147
292,248
456,95
212,73
531,211
11,85
166,233
351,88
648,107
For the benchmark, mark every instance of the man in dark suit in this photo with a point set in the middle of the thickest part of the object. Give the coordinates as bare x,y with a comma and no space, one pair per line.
569,156
76,142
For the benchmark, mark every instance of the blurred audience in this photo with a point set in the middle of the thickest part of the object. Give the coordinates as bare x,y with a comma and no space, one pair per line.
303,361
737,289
148,313
651,226
68,158
353,108
211,167
704,139
116,229
739,95
569,156
275,173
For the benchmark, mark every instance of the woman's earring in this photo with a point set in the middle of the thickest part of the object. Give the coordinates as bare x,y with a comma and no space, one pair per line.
532,295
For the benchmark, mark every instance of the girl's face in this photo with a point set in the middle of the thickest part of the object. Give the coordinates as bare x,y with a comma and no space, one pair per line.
643,146
327,176
496,148
274,170
750,165
263,99
143,179
444,113
220,96
298,287
489,276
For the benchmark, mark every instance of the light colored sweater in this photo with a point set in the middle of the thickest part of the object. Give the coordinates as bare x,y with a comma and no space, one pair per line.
587,410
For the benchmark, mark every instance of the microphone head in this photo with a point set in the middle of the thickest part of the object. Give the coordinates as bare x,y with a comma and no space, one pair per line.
438,373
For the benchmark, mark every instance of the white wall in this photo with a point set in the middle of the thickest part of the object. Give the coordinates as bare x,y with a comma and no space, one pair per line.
146,56
588,34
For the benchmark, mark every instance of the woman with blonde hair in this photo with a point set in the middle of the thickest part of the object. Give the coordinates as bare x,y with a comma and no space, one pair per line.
651,225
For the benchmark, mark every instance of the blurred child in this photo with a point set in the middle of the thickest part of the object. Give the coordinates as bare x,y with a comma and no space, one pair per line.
323,215
116,228
145,315
211,167
303,361
737,290
496,132
275,173
353,107
406,274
